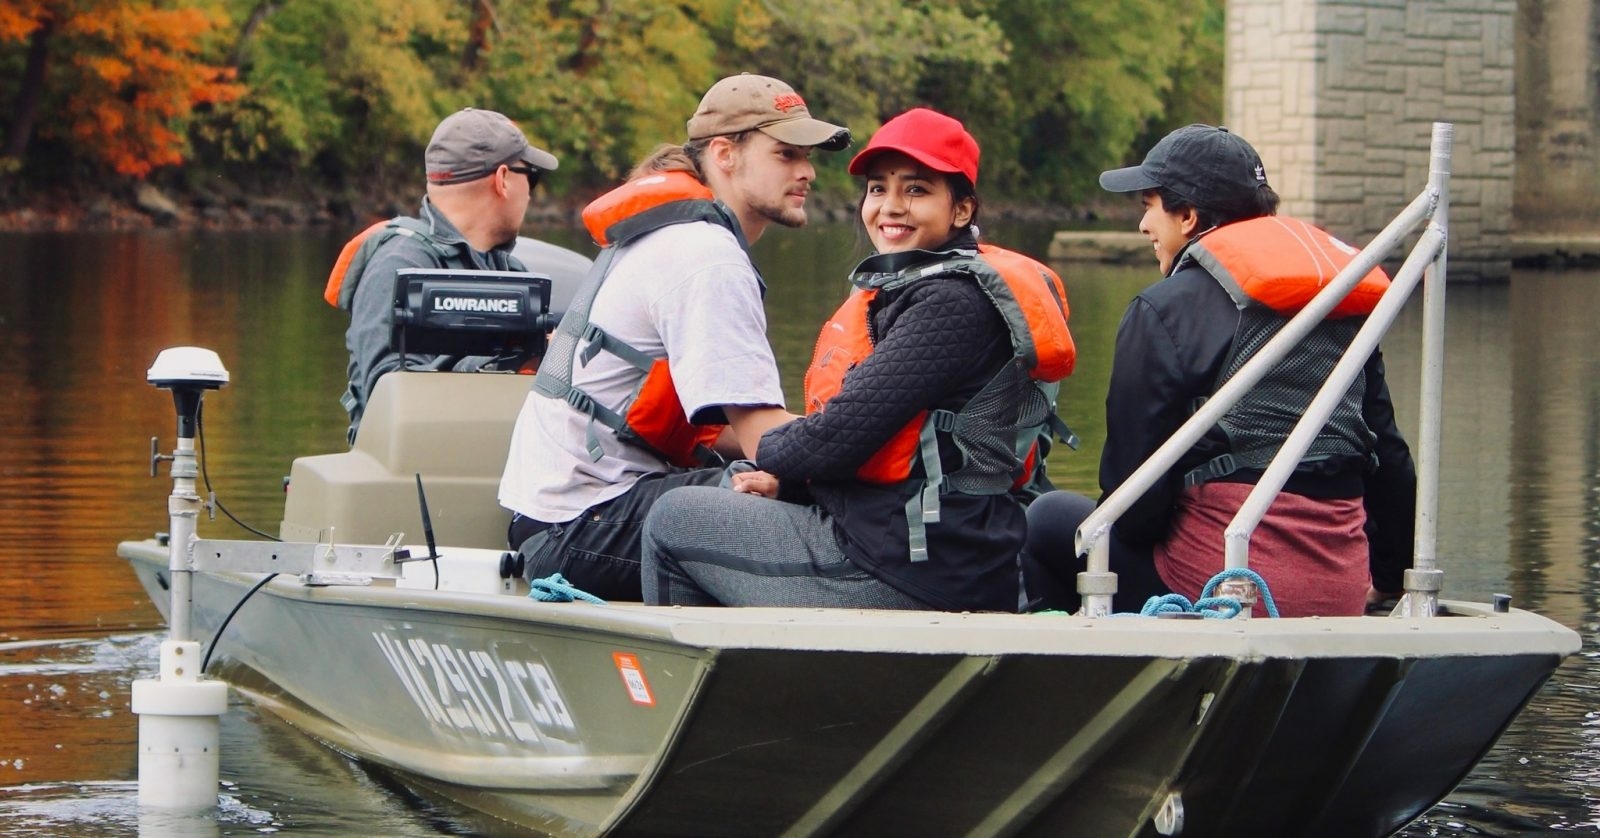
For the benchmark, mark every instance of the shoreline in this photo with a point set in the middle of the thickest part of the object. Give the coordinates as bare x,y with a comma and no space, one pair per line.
145,206
1528,250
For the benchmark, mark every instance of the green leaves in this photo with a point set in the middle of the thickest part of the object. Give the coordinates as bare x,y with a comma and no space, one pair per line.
349,90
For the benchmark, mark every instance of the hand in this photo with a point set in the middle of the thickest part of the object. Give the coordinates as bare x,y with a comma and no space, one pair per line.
1382,602
756,483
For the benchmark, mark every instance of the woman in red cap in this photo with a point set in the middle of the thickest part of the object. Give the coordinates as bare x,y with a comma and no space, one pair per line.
926,392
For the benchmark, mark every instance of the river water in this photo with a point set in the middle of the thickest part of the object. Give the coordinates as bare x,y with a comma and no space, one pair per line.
83,315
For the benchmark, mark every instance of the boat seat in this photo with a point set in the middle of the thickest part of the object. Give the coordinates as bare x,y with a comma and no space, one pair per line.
452,428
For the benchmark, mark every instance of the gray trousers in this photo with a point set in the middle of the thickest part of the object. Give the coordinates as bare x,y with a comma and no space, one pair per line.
711,546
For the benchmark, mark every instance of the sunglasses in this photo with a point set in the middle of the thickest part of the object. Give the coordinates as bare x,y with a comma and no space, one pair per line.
532,172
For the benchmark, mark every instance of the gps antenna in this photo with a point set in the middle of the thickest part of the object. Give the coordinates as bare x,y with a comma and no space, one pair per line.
427,531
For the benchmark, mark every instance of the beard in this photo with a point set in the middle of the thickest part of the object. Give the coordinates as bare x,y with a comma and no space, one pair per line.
779,212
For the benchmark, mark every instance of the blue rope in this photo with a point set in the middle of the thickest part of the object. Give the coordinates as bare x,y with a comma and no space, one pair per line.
556,588
1213,607
1243,573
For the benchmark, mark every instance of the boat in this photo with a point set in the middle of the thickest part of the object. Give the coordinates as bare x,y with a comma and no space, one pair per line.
430,657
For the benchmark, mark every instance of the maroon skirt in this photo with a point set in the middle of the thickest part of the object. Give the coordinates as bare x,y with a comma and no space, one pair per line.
1312,552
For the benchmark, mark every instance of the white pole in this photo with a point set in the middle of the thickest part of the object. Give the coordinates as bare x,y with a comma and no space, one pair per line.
1424,580
180,712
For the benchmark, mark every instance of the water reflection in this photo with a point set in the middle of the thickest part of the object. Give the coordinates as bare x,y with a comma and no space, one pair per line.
83,315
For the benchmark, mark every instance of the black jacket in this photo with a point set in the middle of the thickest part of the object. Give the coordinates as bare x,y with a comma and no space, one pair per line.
1171,345
936,343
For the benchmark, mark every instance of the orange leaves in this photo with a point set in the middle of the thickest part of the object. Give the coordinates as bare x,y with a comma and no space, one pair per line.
126,75
19,18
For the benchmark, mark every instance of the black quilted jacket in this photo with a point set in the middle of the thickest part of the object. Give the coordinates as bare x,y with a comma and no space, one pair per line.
937,341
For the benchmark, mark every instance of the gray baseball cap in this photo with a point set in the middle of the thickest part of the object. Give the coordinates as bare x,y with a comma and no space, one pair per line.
1205,165
471,143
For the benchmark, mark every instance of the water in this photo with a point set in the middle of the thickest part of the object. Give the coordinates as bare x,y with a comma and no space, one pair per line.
83,315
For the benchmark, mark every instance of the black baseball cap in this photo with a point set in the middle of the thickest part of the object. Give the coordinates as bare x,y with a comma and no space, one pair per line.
1206,165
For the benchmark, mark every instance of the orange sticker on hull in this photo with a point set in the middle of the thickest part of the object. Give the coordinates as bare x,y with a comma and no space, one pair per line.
633,678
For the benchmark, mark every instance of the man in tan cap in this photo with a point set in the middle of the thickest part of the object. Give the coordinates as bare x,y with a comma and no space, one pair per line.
661,366
481,172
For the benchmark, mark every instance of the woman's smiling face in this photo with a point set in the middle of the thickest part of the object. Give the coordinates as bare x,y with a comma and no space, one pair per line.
908,207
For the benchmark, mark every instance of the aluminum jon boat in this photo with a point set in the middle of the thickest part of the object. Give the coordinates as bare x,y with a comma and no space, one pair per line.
624,719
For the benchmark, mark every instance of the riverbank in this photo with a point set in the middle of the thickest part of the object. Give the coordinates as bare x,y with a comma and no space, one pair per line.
146,206
1528,250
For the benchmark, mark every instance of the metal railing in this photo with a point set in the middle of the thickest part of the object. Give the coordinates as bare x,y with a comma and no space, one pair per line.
1423,581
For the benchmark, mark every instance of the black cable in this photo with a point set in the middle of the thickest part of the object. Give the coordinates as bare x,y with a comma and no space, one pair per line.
200,430
211,647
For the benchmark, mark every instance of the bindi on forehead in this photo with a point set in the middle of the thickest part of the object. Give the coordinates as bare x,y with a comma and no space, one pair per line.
904,172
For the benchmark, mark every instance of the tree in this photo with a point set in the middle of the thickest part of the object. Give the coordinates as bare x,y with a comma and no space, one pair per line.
344,86
122,78
1084,79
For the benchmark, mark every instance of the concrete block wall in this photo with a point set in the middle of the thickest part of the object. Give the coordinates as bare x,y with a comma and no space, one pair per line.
1340,97
1558,119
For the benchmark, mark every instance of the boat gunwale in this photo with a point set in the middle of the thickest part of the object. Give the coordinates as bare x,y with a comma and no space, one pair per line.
1470,630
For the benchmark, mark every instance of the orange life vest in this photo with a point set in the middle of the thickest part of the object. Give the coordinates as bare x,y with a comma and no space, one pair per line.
1272,267
1282,263
340,289
1029,296
654,415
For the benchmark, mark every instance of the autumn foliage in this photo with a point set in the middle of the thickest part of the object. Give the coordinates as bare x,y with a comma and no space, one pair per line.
119,79
341,95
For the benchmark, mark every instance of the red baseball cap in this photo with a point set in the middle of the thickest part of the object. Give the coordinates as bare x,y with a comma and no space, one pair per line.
937,141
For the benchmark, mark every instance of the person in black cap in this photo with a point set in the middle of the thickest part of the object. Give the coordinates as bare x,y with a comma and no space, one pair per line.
481,172
1339,536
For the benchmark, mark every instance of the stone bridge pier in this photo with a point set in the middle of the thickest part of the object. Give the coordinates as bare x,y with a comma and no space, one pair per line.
1339,97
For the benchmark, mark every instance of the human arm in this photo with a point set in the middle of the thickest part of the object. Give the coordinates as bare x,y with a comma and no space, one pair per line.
712,329
746,425
1146,401
1390,494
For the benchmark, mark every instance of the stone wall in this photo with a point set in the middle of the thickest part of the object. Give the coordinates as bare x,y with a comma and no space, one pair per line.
1340,97
1557,190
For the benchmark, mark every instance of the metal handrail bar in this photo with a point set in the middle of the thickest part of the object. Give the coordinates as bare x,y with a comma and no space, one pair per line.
1424,258
1096,584
1236,537
1424,580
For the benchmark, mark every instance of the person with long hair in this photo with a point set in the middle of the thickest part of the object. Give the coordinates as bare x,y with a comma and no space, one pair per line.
661,367
896,489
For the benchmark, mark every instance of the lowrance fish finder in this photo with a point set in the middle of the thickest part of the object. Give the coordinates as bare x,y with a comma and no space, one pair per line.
461,312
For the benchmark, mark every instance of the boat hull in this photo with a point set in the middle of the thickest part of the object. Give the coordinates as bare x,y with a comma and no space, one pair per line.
627,719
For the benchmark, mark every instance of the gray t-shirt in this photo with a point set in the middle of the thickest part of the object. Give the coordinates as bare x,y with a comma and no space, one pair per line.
687,292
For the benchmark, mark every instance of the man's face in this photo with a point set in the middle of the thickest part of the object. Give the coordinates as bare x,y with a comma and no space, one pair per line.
1168,231
770,180
519,192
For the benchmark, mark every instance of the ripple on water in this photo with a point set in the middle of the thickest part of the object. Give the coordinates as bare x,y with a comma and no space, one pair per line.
112,808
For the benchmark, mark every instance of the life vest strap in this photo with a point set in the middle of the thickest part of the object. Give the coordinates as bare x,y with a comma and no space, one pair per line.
922,508
600,341
597,412
1058,426
1221,465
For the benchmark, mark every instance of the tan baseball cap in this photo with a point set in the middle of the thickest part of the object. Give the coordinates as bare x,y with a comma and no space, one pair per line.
747,101
471,143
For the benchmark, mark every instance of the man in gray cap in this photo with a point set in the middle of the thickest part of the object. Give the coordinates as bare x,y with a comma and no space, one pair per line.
481,172
662,363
